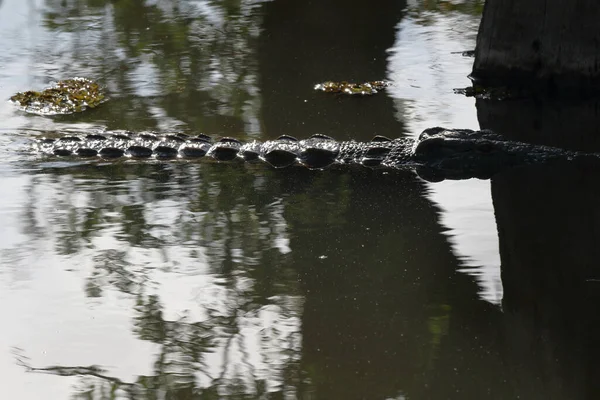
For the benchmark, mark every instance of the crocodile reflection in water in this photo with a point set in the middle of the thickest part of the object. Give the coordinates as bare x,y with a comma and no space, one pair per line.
437,154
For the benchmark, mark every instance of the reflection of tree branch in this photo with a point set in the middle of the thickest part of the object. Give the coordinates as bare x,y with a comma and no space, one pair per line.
227,220
181,45
92,370
246,357
226,352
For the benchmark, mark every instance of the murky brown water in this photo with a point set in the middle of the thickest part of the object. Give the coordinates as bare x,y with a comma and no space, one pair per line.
196,281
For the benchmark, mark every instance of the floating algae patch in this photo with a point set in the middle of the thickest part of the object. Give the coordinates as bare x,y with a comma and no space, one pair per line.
350,88
63,97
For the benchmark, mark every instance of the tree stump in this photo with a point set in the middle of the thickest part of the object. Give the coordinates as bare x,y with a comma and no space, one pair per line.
548,44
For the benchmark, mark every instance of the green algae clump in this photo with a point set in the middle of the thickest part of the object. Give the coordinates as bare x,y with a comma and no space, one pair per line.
63,97
350,88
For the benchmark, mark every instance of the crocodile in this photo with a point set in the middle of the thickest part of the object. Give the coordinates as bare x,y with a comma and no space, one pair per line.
437,154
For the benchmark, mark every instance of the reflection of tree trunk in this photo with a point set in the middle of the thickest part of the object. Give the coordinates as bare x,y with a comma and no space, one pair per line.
307,42
549,226
385,310
554,42
369,301
548,221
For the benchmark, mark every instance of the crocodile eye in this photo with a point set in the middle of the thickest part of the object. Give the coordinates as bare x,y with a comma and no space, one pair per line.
485,147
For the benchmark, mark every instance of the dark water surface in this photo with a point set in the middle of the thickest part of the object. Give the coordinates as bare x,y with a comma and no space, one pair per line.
148,280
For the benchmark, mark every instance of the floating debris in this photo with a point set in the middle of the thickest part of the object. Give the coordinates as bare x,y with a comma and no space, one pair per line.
350,88
466,53
493,93
63,97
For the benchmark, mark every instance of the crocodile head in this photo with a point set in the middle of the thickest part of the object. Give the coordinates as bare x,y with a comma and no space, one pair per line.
462,153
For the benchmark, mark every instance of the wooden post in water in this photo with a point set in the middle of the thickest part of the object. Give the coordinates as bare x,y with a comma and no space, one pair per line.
552,44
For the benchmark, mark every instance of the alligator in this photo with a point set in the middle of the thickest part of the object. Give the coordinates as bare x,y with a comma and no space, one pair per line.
437,153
